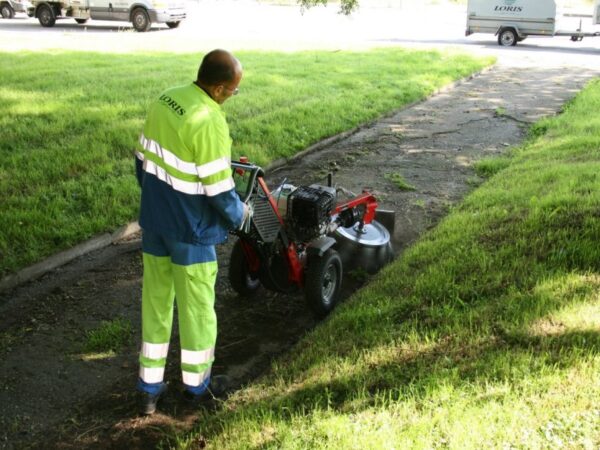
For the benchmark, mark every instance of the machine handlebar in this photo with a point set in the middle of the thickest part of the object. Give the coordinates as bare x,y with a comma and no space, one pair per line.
241,168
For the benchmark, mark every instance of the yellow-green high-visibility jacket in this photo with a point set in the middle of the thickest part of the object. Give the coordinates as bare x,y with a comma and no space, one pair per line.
184,169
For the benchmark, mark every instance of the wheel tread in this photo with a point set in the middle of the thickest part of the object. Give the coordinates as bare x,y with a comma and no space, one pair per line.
313,284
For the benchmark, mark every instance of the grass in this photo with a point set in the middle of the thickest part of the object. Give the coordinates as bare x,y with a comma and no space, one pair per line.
70,123
491,166
399,181
484,334
109,337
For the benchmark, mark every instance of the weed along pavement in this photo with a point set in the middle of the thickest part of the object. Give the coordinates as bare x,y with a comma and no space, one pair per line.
53,392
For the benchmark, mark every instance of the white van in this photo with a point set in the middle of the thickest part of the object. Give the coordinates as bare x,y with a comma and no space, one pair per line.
141,13
9,8
514,20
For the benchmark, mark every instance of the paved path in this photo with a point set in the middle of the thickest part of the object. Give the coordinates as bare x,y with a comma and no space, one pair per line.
434,144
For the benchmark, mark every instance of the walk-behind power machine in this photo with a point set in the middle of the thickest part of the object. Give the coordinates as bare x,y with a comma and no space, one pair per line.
302,237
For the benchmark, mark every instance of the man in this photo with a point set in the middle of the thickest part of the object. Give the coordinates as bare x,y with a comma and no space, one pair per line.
188,205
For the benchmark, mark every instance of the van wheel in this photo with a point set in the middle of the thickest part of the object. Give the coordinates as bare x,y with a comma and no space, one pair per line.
81,21
140,20
46,16
507,37
7,11
173,24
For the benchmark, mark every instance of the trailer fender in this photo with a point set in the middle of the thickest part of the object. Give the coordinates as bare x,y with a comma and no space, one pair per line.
514,27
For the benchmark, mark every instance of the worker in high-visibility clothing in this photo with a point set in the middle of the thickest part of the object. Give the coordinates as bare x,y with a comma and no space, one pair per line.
188,204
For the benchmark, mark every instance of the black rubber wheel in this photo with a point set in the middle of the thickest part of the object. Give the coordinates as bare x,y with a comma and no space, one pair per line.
323,279
140,20
7,11
242,280
508,37
46,16
81,21
173,24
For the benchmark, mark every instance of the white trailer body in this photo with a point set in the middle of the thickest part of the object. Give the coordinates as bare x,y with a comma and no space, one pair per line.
514,20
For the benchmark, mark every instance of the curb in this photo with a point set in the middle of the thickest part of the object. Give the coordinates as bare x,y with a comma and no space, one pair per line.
104,240
96,243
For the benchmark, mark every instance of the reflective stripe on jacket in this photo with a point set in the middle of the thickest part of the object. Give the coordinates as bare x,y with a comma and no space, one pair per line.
184,169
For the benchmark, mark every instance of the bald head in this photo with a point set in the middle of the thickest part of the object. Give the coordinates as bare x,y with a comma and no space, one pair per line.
217,67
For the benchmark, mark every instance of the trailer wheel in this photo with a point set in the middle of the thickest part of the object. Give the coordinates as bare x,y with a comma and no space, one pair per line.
46,16
140,20
244,282
7,11
173,24
507,37
323,279
81,21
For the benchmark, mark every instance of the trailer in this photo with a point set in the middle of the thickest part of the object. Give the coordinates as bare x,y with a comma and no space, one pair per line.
513,20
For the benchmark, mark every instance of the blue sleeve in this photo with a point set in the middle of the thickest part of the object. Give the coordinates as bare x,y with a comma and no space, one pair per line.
230,207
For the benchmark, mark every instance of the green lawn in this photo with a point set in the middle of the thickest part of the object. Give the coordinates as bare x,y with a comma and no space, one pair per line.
485,334
70,122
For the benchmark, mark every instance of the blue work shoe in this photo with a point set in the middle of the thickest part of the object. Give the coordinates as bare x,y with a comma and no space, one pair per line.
151,394
219,385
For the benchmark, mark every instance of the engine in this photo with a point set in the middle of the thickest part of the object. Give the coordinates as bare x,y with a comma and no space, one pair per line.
309,212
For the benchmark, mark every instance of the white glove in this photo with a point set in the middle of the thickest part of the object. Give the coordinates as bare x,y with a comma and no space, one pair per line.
245,225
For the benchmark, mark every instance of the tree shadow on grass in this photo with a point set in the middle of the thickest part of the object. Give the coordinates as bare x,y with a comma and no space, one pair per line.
415,376
498,343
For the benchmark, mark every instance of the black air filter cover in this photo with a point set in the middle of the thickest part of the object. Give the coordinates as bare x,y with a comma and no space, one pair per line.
309,211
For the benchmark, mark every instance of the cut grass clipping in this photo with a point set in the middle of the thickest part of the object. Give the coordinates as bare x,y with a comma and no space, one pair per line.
399,181
70,123
484,334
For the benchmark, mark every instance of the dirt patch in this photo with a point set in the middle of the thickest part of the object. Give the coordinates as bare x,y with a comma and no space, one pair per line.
53,395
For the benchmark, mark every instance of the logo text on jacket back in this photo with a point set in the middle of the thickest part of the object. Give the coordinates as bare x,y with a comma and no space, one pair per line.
176,107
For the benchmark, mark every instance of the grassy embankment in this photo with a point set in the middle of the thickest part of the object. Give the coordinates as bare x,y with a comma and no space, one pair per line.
485,334
70,122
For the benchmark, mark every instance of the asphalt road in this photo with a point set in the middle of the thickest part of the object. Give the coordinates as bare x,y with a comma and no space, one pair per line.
245,24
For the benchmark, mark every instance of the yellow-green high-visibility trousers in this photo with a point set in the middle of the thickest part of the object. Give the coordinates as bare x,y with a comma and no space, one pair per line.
193,288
